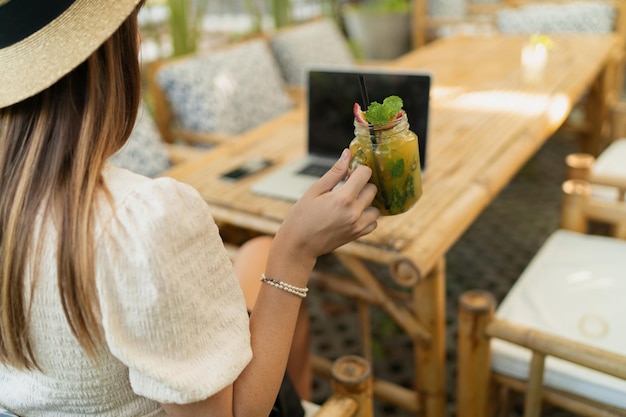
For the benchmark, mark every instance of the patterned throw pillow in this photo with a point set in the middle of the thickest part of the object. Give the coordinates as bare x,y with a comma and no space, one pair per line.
578,17
449,8
226,91
145,152
316,43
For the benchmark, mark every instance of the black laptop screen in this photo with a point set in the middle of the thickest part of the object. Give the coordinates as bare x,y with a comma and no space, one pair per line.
332,94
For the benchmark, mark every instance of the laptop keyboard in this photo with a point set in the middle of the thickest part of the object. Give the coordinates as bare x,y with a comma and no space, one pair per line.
314,170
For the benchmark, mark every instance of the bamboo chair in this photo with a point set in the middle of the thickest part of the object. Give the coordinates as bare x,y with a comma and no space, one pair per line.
555,336
208,98
477,386
607,172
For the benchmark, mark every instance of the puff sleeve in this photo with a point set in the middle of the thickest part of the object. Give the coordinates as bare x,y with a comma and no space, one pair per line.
172,309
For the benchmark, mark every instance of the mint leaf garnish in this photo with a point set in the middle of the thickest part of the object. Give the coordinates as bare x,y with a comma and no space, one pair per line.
379,114
398,198
410,186
397,169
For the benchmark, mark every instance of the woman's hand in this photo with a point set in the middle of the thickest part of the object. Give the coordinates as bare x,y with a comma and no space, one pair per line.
327,217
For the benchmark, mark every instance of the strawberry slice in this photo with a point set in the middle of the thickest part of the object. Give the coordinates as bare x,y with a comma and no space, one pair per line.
358,114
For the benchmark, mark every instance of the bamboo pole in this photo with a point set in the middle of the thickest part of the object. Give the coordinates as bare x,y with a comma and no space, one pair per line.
352,377
532,402
579,165
430,360
366,330
476,308
573,403
569,350
575,194
401,315
418,23
618,118
338,406
386,391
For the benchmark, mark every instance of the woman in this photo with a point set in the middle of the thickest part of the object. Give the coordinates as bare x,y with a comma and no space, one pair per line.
117,296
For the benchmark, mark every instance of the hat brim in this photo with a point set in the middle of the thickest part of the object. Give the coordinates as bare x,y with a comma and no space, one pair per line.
35,63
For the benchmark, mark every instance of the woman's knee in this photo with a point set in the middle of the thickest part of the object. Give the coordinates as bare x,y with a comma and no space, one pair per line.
249,264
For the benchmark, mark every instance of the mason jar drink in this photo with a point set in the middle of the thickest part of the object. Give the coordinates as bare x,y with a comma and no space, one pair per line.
391,151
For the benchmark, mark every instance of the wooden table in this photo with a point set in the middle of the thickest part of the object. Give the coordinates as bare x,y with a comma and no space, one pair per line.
485,124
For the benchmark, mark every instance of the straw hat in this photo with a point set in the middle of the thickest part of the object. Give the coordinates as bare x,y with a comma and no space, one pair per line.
43,40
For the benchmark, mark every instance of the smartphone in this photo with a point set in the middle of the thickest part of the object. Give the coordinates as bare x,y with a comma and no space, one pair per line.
251,166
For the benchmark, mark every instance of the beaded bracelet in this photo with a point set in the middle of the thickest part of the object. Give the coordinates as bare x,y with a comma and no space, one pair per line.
292,289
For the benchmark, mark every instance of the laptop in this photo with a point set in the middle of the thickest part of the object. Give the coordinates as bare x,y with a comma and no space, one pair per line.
331,94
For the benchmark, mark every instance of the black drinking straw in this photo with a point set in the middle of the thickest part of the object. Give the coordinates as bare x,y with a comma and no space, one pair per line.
366,103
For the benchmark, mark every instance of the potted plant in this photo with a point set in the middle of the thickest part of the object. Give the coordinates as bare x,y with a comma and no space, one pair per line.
380,29
185,19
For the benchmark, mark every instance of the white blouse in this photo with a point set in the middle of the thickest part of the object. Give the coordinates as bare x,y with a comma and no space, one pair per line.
173,314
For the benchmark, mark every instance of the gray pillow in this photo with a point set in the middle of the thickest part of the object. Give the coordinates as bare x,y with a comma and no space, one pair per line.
578,17
145,152
226,91
317,43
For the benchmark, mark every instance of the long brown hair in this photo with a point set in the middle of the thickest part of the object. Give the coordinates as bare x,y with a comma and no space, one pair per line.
53,148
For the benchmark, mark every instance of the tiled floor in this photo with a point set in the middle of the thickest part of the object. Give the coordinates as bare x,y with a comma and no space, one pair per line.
489,256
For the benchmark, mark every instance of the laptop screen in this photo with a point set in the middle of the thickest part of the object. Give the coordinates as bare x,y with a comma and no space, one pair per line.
333,92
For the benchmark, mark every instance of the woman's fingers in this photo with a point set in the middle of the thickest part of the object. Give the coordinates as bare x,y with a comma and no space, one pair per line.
334,175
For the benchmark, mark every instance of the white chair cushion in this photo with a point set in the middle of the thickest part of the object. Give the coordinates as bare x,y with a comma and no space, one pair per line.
577,17
317,43
611,162
574,287
226,91
145,152
310,409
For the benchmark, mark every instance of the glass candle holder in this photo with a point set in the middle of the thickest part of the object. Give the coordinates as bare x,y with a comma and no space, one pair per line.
534,60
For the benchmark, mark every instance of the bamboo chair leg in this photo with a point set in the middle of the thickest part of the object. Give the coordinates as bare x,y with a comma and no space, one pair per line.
575,193
503,405
476,308
366,329
579,165
532,403
618,120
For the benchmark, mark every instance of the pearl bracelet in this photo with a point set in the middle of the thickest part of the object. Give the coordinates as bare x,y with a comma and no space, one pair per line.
292,289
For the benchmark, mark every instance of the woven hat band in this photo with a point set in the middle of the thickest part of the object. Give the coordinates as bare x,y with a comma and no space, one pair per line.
21,18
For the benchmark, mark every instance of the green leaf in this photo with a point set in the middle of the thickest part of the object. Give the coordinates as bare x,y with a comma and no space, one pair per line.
410,186
398,199
397,169
380,114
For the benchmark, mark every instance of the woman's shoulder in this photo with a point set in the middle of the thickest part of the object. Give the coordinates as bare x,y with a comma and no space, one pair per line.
123,184
141,201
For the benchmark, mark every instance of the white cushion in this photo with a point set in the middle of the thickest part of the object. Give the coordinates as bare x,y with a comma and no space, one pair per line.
145,152
574,287
576,17
449,8
317,43
226,91
611,162
310,409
